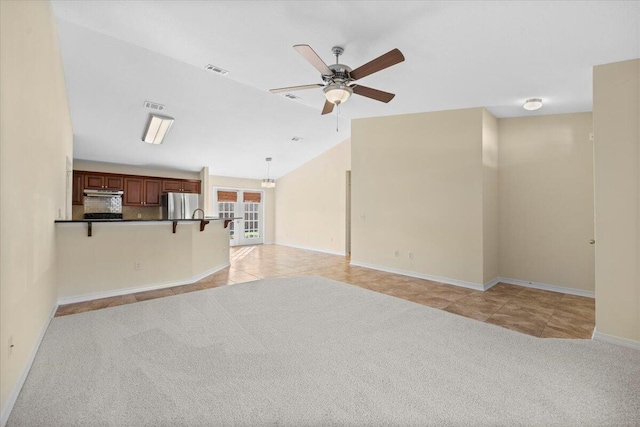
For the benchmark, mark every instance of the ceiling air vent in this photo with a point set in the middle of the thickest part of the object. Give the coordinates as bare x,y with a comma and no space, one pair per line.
291,96
217,70
154,105
297,138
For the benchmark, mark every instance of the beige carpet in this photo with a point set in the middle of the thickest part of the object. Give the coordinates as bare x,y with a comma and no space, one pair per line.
314,352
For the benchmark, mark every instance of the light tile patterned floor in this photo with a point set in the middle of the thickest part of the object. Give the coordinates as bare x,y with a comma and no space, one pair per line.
531,311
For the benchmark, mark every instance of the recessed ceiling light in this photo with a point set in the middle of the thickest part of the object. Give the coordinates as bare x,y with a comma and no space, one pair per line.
532,104
217,70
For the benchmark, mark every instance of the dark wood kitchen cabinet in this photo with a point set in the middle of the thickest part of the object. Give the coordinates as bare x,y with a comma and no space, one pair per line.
180,186
77,195
103,182
142,192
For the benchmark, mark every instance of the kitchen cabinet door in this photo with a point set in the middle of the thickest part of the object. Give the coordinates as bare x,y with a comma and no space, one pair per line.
103,182
133,192
152,192
171,186
77,195
94,182
191,187
113,183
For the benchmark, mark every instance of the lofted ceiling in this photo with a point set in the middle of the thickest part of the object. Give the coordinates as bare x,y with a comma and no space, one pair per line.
496,54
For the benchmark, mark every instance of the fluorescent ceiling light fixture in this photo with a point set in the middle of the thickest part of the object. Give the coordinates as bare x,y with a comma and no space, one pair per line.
268,182
532,104
337,93
157,129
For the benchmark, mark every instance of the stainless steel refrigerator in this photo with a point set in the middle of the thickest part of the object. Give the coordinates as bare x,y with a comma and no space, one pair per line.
179,205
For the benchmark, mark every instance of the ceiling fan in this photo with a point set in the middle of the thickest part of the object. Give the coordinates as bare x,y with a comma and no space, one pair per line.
339,79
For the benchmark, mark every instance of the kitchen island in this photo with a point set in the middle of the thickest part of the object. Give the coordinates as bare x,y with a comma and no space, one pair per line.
104,258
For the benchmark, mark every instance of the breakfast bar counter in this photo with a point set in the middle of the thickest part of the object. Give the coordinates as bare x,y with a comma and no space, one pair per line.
127,256
203,222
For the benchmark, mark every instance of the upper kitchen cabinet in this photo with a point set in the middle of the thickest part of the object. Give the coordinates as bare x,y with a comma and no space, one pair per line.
142,192
103,182
77,196
180,186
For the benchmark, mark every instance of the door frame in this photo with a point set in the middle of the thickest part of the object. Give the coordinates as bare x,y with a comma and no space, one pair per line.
262,220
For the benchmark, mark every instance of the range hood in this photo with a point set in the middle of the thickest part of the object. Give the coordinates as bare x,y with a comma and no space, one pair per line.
103,193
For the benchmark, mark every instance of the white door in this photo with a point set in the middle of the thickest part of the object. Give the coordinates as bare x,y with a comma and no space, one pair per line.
247,207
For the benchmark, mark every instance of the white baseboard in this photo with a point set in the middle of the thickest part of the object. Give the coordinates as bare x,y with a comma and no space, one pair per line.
125,291
311,249
547,287
491,283
612,339
17,387
462,283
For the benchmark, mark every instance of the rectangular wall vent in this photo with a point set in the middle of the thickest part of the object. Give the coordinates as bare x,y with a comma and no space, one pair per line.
154,105
297,138
291,96
215,69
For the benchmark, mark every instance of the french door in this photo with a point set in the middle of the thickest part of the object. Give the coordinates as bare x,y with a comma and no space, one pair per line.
247,207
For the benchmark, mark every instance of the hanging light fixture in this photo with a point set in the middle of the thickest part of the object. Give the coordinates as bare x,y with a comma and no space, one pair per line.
268,183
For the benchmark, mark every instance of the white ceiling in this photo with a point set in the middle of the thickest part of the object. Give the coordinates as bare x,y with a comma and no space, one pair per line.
117,54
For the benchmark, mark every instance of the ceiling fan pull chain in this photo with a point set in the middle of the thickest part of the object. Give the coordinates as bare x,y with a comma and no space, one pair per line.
338,118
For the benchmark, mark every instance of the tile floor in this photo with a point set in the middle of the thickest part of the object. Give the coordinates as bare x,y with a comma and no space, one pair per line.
531,311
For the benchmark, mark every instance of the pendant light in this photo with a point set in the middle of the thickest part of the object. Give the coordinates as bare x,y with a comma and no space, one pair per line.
268,183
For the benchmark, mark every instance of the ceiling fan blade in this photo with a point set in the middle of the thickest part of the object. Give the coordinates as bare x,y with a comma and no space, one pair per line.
313,58
376,94
380,63
292,88
328,107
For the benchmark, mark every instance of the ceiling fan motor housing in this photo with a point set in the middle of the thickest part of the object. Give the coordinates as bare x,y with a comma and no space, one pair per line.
341,74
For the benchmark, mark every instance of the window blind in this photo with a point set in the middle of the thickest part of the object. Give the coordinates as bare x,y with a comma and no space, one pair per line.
252,197
227,196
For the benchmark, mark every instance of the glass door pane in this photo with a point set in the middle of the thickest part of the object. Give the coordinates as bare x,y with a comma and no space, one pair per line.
252,222
247,230
227,210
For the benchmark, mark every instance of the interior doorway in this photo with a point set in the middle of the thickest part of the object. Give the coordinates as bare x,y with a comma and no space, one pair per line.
247,206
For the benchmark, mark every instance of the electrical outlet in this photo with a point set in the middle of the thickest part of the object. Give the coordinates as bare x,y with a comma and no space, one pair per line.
363,217
396,253
10,344
139,216
137,265
410,255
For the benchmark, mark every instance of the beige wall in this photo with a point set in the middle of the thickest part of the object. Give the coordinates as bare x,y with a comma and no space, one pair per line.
616,112
86,165
546,200
417,183
490,197
244,184
311,202
35,141
104,264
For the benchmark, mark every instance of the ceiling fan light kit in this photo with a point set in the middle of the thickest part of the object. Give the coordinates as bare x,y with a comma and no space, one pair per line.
339,79
337,93
532,104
